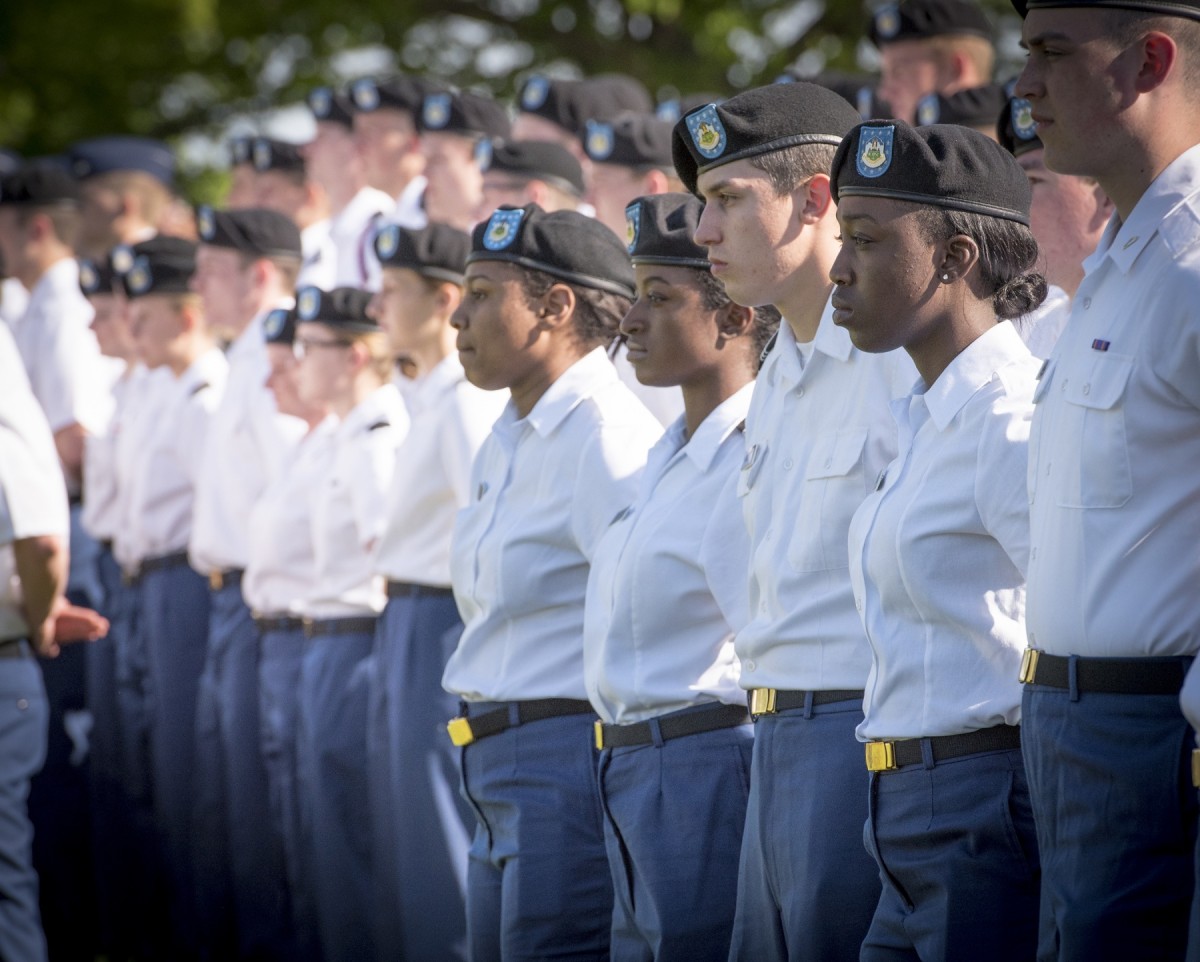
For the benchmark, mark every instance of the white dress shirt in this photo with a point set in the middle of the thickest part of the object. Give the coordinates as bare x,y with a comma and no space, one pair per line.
1113,454
246,443
432,478
667,587
349,506
939,552
13,300
665,403
166,469
281,575
352,230
69,376
319,265
1040,329
818,434
544,489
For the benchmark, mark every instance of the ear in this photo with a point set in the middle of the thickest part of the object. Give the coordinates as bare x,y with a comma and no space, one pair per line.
536,192
734,321
958,67
959,257
557,307
360,356
1159,55
654,182
813,198
447,298
1103,210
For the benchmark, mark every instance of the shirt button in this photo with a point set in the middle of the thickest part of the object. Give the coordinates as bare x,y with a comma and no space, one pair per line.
858,603
799,392
22,704
828,462
749,665
1064,385
1087,389
1033,554
1087,303
787,464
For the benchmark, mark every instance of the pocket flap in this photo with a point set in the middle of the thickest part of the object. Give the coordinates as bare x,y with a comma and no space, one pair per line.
1102,386
835,455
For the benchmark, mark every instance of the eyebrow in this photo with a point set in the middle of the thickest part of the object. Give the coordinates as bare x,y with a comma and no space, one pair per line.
853,217
1042,38
716,187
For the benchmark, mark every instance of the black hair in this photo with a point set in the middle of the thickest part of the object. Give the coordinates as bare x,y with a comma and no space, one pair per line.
1007,254
791,166
766,318
598,314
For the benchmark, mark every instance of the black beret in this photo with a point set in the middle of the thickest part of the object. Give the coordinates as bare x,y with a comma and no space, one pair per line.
465,113
675,107
921,19
564,244
1167,8
858,90
268,154
438,250
329,105
942,165
1016,127
161,265
659,230
252,230
758,121
401,92
279,326
571,103
558,101
96,277
632,140
241,151
972,107
539,160
344,308
38,184
616,93
102,155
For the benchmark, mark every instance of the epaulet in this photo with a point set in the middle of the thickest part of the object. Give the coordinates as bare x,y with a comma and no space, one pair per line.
767,350
383,423
198,388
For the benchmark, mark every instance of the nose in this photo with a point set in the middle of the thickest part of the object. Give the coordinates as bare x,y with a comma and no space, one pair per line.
840,272
706,232
373,307
458,320
634,320
1028,84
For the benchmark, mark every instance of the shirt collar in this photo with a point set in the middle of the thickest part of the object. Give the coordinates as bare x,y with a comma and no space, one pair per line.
63,275
423,393
974,367
1169,207
721,422
577,383
202,370
830,340
380,403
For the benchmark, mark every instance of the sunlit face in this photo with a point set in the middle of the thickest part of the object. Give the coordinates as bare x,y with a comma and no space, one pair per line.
885,275
157,323
455,188
672,338
331,153
908,71
99,208
243,186
225,283
325,373
499,335
281,192
282,380
753,235
387,142
111,325
613,188
13,238
403,306
1077,82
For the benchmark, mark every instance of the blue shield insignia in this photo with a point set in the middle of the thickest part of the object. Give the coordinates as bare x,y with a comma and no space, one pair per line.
887,22
206,227
435,112
874,150
387,241
138,278
308,302
262,155
89,280
121,257
273,325
864,100
633,226
929,109
502,229
320,102
365,94
537,89
599,140
1023,124
708,133
483,154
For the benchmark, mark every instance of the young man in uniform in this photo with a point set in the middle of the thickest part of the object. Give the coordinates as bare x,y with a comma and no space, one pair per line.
126,186
283,184
1114,503
457,133
818,434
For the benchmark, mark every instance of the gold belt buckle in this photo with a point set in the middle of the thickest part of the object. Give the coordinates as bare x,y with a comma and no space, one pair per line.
598,727
1029,661
216,580
1196,767
881,756
460,732
762,701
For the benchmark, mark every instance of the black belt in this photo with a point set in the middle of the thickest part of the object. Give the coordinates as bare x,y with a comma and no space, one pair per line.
406,589
227,578
768,701
885,756
278,622
464,730
671,726
1129,676
162,562
338,626
12,648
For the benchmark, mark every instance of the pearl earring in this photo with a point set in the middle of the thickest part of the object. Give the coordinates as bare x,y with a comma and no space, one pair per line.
946,277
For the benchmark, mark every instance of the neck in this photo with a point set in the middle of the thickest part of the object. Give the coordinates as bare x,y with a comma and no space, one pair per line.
810,288
1141,165
529,391
189,351
36,266
948,338
709,392
366,384
341,192
434,349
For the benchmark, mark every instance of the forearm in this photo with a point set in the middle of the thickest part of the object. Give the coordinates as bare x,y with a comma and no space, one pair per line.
70,441
42,568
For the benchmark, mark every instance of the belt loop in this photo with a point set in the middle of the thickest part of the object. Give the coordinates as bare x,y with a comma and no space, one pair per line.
656,732
927,754
808,704
1073,676
514,714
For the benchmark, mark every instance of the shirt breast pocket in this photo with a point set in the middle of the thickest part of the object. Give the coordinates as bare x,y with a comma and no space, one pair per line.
1100,475
834,487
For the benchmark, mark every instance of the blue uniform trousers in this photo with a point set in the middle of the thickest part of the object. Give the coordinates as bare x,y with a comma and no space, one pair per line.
806,888
958,857
1110,779
331,749
538,885
282,653
420,818
24,715
674,814
175,611
243,859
